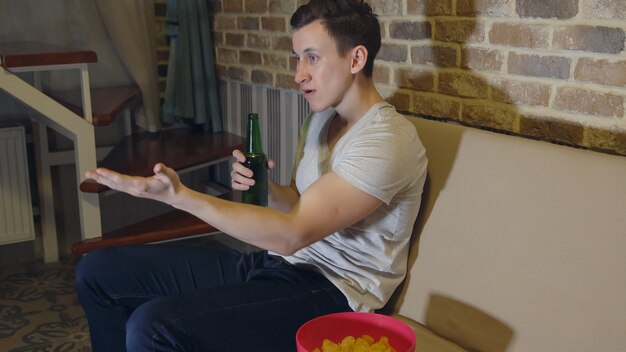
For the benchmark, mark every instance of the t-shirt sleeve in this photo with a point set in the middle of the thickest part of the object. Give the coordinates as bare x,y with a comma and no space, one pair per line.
382,160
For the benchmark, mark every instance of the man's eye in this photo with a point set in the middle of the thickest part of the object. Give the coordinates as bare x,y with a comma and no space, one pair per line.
313,58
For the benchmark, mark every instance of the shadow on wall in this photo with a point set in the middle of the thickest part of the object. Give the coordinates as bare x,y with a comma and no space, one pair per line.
470,100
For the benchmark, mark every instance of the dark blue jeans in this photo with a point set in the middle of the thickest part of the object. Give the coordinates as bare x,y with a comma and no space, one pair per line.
169,297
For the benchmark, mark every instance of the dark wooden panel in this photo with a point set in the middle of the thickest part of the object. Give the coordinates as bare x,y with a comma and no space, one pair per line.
106,102
173,225
22,54
179,148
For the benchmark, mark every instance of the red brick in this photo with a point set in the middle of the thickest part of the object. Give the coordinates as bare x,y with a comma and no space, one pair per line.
415,79
234,39
386,7
521,92
234,6
620,142
401,100
605,9
249,57
436,105
429,7
279,61
482,59
551,129
559,9
282,43
262,77
393,53
255,6
463,84
611,73
275,24
438,55
483,7
258,41
459,31
520,35
501,117
286,7
588,38
601,138
539,66
589,102
218,39
411,30
248,23
238,74
227,56
225,23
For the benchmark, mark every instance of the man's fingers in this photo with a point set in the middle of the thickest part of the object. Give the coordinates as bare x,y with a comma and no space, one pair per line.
240,169
237,179
238,154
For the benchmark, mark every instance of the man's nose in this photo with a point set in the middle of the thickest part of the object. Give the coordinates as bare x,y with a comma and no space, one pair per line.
301,75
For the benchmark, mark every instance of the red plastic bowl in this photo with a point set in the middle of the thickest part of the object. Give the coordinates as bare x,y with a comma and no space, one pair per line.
336,326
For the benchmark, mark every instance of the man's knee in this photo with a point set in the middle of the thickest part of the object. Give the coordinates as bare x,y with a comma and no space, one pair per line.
151,328
88,269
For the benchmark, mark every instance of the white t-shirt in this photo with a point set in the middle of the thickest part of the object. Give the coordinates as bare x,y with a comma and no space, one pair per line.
382,156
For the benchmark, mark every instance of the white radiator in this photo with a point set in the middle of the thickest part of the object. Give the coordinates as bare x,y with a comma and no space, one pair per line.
16,213
281,113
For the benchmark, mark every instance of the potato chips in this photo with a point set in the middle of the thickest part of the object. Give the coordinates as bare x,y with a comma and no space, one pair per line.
365,343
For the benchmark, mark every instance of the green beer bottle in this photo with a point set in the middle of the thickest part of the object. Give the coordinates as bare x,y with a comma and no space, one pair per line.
257,162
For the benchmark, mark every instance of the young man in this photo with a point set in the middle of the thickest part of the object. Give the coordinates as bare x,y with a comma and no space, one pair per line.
336,239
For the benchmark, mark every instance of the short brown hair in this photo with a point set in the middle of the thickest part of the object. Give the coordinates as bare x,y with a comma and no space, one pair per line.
348,22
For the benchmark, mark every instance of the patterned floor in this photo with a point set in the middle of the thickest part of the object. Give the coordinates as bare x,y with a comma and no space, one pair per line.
39,311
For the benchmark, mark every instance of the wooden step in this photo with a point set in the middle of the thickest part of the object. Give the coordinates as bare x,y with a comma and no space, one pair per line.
106,102
26,54
179,148
176,224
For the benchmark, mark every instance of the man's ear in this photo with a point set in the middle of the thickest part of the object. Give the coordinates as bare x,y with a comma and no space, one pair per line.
359,58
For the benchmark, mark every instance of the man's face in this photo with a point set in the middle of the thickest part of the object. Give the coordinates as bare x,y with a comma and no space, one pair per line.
323,75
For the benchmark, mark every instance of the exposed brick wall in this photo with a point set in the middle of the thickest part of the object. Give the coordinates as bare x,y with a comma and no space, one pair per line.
553,69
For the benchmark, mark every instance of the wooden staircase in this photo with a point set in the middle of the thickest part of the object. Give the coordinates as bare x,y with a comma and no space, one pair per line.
181,148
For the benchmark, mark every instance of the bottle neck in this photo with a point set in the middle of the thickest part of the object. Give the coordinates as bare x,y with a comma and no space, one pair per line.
253,140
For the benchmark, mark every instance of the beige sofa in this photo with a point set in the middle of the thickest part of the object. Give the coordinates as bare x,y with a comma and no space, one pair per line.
521,247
